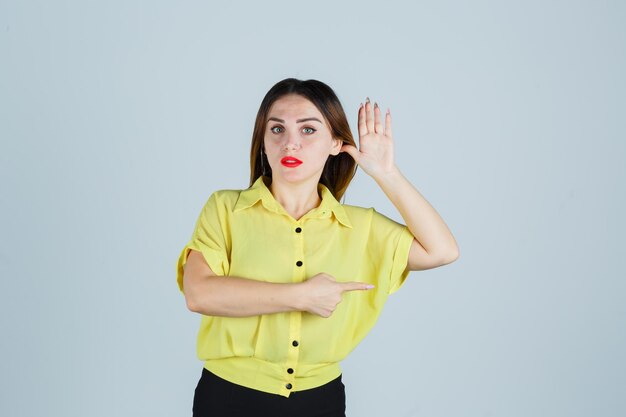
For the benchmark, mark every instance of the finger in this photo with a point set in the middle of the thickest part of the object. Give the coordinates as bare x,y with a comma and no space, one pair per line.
369,120
353,285
388,124
378,125
362,123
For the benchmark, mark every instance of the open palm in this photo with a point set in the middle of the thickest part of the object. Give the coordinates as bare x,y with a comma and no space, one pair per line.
375,153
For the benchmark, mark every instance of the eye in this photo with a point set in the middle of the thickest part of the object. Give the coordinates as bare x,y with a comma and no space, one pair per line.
276,129
309,130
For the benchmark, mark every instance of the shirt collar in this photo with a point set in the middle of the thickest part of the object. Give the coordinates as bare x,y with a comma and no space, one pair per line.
259,191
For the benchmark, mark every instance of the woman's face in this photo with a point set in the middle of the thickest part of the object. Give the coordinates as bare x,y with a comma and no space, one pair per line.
297,140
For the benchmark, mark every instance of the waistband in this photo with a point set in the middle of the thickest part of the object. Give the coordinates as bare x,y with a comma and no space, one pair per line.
271,377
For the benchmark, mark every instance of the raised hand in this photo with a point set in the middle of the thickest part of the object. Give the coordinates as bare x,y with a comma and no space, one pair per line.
322,293
375,154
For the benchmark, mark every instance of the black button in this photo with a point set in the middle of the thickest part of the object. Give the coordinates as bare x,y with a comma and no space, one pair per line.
299,263
295,343
288,386
298,229
290,371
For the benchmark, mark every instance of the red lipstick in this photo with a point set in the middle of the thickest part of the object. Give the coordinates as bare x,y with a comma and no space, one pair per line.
290,161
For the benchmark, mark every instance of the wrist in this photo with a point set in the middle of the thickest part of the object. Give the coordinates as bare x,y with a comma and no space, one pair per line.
296,296
388,177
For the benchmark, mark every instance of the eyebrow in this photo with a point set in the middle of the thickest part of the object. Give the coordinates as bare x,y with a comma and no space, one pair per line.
276,119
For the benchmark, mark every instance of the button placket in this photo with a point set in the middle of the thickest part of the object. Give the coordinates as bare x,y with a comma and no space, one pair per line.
295,316
293,350
299,253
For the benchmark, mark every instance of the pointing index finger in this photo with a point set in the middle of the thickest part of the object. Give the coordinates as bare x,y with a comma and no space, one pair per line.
353,285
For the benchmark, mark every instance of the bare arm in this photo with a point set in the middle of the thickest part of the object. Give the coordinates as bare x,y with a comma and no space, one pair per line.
212,295
433,244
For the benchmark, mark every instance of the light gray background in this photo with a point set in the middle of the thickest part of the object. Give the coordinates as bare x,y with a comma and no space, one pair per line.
119,118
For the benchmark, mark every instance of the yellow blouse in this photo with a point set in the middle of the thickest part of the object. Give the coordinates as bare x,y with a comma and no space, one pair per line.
247,233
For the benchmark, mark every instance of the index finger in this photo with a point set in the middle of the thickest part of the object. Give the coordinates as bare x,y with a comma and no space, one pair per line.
362,122
353,285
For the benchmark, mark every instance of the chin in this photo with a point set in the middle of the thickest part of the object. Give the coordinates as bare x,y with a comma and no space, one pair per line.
297,177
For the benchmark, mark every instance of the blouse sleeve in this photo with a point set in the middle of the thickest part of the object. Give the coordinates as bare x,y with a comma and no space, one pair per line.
389,244
210,238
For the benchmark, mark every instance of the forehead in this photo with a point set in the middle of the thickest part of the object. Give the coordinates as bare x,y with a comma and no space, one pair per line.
294,106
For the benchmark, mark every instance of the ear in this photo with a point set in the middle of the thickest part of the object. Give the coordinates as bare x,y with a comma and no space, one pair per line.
336,147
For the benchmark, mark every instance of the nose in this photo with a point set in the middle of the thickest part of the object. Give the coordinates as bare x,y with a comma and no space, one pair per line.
292,143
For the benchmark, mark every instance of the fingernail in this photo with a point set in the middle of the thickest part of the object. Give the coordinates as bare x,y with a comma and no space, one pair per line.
367,99
369,286
375,105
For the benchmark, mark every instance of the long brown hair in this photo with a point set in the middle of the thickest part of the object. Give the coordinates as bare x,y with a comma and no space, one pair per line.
339,169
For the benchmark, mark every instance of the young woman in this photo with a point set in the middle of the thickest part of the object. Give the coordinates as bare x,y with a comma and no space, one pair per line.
287,279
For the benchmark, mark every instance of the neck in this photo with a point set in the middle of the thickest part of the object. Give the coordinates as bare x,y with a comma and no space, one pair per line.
296,198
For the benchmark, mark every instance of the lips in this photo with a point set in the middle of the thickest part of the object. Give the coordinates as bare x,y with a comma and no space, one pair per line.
290,161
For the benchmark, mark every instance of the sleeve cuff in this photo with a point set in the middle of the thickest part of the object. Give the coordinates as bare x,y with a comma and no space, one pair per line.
212,258
399,270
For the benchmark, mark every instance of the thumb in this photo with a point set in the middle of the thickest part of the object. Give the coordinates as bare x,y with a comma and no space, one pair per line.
351,150
353,285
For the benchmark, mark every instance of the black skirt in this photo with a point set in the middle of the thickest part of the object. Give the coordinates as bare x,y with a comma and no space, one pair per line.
217,397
